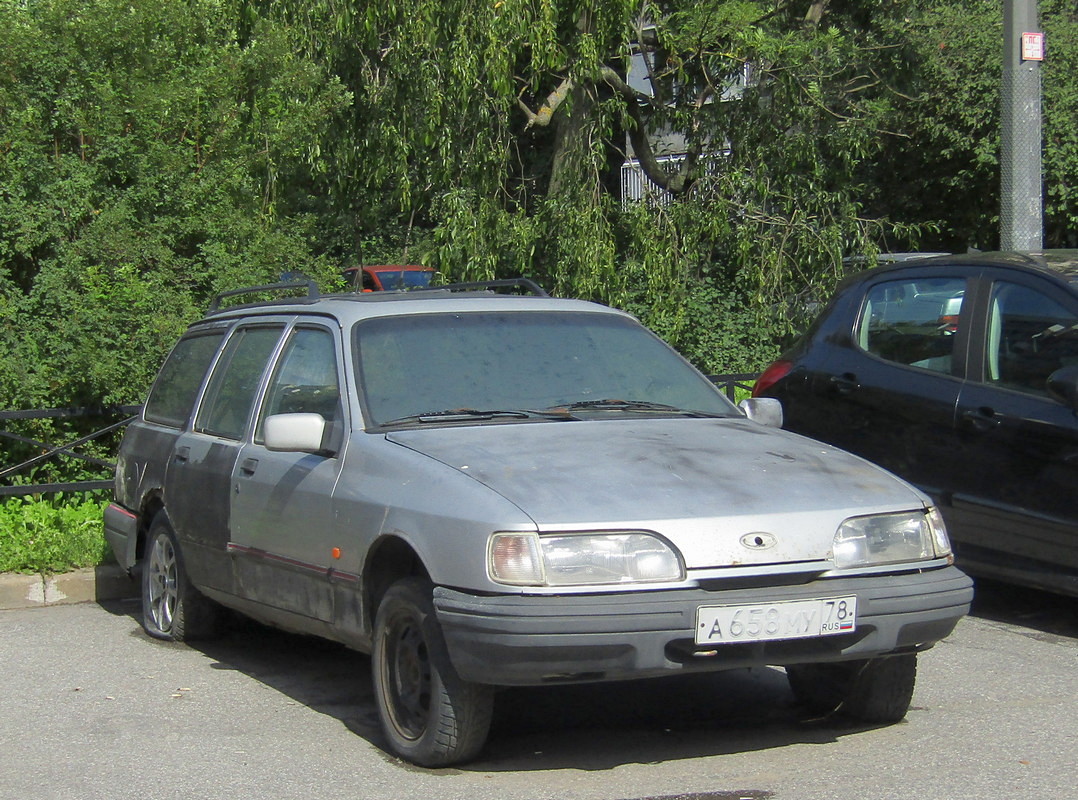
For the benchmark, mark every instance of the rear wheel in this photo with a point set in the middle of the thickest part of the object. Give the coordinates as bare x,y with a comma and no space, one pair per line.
172,608
876,690
429,715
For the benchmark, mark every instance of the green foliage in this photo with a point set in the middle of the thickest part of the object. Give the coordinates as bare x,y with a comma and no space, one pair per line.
945,70
1060,106
716,329
153,154
48,537
148,161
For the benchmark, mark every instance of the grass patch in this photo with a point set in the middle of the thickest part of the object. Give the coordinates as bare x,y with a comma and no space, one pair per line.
51,536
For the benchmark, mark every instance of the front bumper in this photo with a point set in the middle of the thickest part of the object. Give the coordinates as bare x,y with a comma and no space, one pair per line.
528,640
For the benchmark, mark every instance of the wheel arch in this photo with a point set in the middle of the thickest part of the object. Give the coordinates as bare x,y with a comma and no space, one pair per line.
390,558
152,505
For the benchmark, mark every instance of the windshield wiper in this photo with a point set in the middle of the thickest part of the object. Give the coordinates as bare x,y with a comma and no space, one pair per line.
614,404
473,414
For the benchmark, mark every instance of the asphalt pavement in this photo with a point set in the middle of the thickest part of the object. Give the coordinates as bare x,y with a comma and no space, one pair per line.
91,707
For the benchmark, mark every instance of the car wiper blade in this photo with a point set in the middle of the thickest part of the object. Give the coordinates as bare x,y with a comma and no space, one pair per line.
616,404
613,404
471,414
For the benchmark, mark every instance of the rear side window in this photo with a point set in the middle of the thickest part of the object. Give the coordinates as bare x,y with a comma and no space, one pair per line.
913,321
235,381
173,394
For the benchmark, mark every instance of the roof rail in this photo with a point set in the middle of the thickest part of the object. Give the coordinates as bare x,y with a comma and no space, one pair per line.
527,284
310,286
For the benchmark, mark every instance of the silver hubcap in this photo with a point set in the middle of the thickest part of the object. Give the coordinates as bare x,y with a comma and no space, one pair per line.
161,584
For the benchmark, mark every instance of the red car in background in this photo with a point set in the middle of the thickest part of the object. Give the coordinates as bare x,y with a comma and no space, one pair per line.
388,277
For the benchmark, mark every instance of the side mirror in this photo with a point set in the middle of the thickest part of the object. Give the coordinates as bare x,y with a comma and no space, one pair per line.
766,411
1063,386
290,433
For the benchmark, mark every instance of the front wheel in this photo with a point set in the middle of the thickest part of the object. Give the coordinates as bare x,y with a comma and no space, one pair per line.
429,715
172,608
876,691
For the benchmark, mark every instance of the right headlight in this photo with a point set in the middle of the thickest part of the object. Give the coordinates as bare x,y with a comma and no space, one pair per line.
581,559
891,539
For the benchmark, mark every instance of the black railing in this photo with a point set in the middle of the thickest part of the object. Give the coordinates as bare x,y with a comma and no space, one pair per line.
48,451
729,384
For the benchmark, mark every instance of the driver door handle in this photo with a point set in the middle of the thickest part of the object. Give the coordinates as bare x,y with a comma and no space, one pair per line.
845,383
981,419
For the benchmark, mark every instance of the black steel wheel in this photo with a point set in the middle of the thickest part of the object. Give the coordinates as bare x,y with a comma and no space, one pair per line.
876,690
429,715
172,608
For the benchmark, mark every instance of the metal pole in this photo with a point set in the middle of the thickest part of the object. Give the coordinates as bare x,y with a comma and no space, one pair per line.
1021,206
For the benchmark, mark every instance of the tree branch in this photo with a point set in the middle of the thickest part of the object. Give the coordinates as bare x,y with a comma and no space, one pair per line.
543,116
676,183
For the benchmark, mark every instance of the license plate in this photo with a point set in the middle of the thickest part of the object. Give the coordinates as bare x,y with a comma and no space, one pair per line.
787,619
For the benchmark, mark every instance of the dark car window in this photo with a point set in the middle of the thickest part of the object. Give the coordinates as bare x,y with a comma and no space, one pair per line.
404,278
306,378
173,394
231,391
913,321
1030,336
493,360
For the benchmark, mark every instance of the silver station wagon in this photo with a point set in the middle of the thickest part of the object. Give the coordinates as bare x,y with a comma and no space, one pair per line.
484,489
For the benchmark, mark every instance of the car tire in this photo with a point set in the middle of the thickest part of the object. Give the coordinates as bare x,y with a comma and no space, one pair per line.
172,608
876,691
430,716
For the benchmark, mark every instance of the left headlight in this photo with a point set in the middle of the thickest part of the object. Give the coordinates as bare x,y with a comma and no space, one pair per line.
891,539
581,559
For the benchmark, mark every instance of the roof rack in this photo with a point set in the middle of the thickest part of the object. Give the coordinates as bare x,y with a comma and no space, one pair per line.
526,284
310,286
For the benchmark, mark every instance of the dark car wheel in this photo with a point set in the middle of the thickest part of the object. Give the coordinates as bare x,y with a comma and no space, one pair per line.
876,691
429,715
172,608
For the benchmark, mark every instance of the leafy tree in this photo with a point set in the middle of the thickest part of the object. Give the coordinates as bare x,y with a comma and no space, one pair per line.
500,128
148,159
945,67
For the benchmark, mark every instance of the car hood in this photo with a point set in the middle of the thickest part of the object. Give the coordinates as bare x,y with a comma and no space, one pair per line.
703,483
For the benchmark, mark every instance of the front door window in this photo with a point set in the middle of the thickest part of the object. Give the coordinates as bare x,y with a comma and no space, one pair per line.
1030,336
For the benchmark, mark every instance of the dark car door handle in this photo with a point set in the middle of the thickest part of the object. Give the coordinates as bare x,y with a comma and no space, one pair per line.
249,466
981,419
845,383
182,454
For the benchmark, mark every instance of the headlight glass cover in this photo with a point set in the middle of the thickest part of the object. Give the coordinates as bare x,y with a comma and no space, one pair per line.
891,539
581,559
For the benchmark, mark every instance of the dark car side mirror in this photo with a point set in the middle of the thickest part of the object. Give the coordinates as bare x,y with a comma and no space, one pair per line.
1063,386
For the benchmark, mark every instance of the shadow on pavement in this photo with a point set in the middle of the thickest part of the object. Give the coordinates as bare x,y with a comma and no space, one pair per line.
592,726
1026,608
588,727
596,726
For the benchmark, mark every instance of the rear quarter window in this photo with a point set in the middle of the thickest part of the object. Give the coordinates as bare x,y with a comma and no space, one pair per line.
173,394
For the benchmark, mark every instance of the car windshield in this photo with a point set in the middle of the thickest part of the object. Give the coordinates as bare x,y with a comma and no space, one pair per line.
476,366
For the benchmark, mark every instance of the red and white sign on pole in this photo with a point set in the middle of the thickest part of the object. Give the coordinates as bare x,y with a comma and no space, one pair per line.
1033,47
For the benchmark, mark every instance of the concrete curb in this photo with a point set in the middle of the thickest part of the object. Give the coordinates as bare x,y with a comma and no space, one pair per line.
107,582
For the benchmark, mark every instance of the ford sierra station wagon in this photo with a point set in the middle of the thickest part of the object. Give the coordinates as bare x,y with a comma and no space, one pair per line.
485,489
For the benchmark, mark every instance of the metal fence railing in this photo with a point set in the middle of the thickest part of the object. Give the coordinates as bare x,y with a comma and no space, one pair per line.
69,449
731,383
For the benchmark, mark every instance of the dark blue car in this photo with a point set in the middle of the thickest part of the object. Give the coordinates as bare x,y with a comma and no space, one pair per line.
960,374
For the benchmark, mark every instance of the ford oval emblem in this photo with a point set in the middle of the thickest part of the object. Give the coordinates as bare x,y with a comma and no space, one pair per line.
758,540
